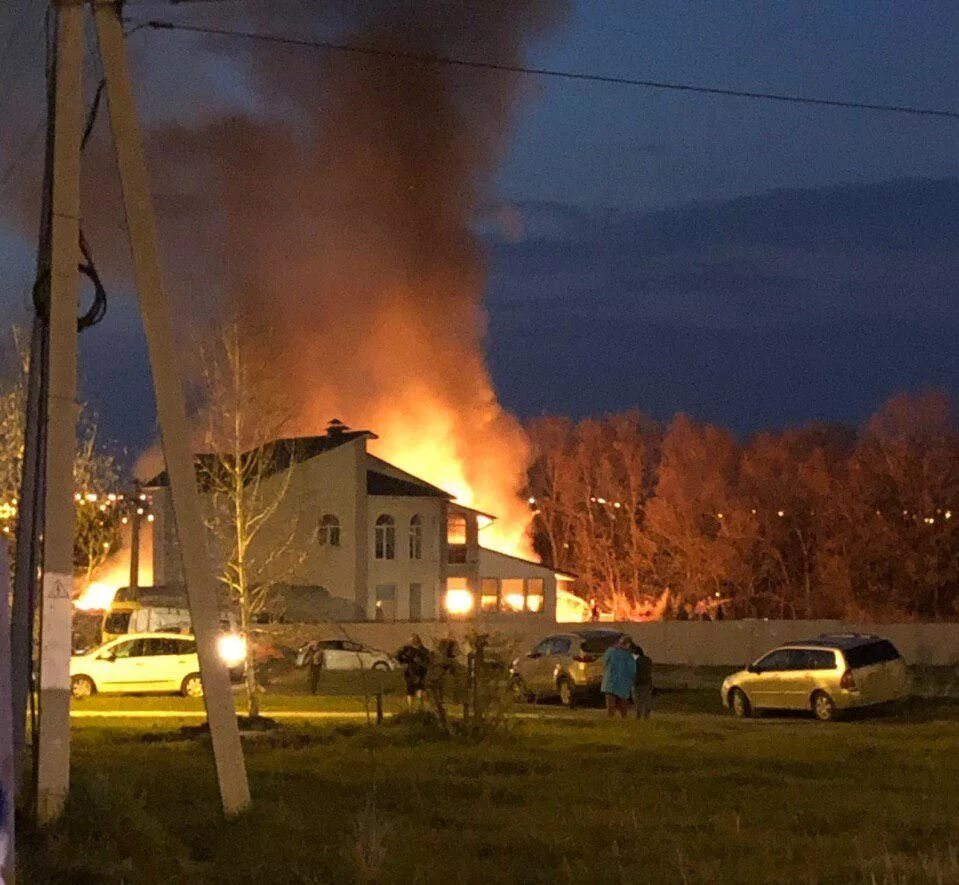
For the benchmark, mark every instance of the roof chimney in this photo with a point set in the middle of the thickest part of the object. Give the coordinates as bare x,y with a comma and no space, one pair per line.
336,428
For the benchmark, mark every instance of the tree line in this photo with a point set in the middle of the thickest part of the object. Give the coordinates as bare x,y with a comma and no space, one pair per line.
819,521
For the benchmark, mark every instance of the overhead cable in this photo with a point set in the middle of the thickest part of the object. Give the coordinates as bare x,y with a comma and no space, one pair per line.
428,58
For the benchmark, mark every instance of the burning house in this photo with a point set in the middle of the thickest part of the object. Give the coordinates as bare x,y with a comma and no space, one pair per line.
358,538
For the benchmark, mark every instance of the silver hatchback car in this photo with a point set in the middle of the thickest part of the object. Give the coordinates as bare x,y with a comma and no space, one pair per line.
828,674
569,665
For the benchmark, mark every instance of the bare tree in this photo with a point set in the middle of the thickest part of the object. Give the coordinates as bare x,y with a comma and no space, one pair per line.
95,472
246,475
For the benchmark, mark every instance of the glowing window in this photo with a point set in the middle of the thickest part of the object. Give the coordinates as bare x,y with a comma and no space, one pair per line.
489,595
459,600
535,595
513,595
328,534
456,529
384,537
416,537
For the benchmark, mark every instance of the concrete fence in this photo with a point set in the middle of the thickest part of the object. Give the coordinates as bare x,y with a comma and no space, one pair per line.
690,643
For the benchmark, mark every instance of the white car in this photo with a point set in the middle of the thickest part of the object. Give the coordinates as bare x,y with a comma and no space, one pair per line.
142,662
342,654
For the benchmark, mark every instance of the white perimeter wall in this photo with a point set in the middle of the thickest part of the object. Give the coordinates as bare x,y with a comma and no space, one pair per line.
693,643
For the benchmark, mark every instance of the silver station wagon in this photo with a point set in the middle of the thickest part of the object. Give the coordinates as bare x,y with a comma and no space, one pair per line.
828,674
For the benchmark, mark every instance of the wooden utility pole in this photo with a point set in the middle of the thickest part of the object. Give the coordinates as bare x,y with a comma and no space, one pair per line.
171,409
56,613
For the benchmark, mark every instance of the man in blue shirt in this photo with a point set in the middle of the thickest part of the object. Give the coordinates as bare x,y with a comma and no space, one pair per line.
619,670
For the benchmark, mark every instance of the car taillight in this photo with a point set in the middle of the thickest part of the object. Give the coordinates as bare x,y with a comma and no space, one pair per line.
584,659
848,681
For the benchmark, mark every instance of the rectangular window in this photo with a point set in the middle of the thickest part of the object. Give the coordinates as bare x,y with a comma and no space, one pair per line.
456,554
820,660
416,602
535,594
512,594
459,600
456,529
489,595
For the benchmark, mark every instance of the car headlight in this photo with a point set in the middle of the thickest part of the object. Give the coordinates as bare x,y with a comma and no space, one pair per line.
231,648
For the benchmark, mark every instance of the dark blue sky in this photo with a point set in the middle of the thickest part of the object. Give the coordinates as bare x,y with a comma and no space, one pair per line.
754,264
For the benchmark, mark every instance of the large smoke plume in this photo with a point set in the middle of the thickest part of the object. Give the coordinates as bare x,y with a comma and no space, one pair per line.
338,221
345,230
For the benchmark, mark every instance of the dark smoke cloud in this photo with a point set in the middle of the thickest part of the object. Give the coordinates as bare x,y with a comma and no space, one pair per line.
337,219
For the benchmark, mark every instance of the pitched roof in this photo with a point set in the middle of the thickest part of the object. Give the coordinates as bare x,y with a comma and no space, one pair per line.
380,484
282,453
391,471
498,553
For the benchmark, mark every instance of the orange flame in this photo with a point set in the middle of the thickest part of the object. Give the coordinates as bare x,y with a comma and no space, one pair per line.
479,457
98,593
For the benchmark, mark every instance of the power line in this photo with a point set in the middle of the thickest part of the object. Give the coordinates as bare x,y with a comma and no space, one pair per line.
427,58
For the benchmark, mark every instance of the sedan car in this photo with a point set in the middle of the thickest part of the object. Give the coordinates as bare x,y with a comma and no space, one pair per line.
569,665
143,662
828,674
343,654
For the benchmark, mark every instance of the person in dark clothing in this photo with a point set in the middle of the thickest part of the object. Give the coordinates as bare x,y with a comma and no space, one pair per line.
415,658
317,661
642,683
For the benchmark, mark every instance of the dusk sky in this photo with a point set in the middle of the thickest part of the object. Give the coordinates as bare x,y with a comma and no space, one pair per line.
751,263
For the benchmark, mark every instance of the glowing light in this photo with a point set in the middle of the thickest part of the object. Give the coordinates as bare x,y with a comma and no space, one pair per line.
459,602
534,603
570,608
231,647
91,497
948,514
514,601
480,461
150,518
780,513
97,596
532,500
719,516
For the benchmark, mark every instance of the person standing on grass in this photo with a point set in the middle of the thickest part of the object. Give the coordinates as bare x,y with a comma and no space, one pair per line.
642,683
317,662
619,671
415,658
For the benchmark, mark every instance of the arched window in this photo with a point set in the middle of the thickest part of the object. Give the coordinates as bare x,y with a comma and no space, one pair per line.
328,534
416,536
384,546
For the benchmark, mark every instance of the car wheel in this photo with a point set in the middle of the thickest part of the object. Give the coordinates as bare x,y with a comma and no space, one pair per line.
823,707
82,687
382,666
566,695
192,686
739,704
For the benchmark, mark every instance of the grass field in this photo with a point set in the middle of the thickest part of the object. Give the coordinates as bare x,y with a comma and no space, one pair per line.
690,796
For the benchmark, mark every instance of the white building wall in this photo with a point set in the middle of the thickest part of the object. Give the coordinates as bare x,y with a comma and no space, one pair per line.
402,572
